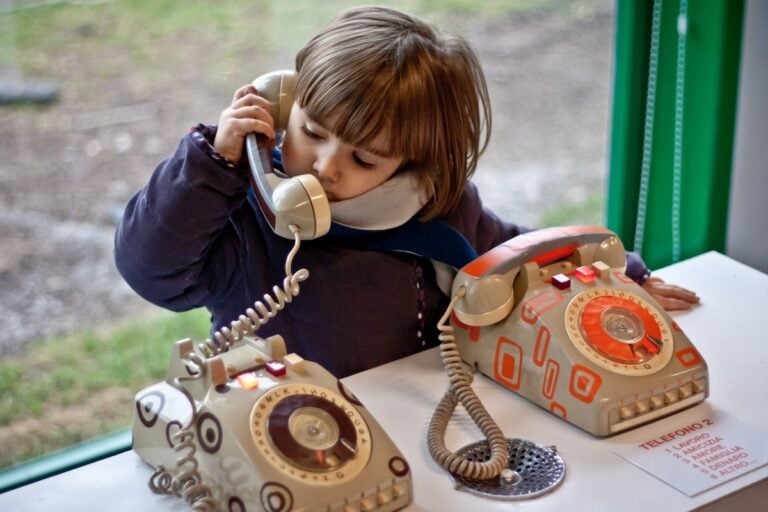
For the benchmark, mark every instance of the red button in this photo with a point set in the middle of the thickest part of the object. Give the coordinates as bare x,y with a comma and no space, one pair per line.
561,281
276,368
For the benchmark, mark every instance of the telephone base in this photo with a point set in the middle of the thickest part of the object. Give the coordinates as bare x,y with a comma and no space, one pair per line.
274,434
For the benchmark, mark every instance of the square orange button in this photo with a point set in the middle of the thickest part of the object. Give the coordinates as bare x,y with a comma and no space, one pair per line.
248,380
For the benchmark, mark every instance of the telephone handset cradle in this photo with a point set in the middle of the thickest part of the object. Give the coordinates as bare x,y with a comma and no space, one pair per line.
297,203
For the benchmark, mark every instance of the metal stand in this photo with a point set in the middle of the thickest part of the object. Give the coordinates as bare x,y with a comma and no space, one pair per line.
532,470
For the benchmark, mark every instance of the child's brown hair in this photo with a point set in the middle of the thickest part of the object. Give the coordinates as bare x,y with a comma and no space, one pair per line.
381,70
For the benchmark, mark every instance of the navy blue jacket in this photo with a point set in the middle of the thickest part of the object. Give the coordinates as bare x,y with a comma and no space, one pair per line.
193,237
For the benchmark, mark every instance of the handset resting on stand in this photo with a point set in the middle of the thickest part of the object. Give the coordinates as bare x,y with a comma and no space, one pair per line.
297,203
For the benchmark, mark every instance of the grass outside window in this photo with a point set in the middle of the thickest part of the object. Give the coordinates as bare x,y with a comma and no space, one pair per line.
64,390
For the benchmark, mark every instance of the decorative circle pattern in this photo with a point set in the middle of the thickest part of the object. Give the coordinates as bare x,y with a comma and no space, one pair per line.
398,466
209,432
235,504
276,497
148,407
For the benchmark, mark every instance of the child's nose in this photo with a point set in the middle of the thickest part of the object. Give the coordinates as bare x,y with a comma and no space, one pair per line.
326,165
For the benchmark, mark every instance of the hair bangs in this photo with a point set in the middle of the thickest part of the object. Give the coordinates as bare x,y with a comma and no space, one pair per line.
360,108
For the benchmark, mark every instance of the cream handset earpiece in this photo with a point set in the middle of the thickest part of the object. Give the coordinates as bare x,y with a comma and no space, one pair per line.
289,205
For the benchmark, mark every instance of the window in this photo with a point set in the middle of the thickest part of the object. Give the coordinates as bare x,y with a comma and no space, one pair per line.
130,78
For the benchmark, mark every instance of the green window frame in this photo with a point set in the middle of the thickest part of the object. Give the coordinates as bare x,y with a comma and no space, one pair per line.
712,57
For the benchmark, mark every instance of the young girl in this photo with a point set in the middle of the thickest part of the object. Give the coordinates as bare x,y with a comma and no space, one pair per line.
391,117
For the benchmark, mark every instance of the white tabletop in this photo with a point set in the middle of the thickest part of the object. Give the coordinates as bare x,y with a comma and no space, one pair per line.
726,328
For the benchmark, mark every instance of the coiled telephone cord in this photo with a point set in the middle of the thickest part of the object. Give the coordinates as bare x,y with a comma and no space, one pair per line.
187,483
460,391
261,312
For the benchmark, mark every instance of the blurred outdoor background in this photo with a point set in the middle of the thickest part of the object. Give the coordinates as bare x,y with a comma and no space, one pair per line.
94,94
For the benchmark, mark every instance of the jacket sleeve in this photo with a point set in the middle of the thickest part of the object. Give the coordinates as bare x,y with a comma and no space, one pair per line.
636,268
482,227
176,244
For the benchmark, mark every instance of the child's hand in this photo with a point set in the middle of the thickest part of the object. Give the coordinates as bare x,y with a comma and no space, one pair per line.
248,113
670,296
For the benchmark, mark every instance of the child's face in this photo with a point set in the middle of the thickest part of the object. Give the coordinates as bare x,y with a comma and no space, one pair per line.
345,171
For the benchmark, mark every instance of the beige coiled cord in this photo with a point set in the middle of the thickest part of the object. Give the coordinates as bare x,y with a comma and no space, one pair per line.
460,391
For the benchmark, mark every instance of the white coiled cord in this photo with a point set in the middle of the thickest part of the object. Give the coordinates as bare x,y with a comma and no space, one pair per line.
460,391
186,481
261,312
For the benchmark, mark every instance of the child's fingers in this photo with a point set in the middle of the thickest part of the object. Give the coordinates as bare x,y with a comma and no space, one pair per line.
230,135
245,125
252,111
677,292
250,98
249,115
673,304
670,296
242,91
683,294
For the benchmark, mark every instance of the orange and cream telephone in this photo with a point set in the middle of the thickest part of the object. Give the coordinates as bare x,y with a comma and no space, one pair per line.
239,424
552,316
299,201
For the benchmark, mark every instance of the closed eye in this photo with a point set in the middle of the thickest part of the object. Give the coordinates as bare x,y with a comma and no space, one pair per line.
362,163
309,133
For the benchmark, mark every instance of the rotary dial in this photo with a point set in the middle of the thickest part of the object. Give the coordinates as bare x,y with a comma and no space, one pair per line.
310,433
619,331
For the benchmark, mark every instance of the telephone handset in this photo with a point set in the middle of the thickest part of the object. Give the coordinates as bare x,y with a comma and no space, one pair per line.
489,279
297,203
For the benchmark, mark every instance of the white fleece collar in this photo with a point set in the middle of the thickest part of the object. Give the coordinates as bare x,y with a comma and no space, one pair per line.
389,205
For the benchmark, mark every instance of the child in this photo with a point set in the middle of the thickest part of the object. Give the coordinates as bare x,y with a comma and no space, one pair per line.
391,117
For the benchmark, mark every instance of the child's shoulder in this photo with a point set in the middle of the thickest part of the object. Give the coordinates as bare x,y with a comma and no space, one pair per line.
470,198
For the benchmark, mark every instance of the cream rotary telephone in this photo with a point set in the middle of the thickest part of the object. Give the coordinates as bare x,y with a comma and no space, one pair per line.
239,424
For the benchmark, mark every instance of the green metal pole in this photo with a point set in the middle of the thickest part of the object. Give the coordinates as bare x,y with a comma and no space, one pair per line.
633,22
713,47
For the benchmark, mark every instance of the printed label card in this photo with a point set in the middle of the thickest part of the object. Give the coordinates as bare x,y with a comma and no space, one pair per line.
704,449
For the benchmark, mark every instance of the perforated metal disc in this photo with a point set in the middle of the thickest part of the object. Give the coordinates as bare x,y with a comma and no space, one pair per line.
532,470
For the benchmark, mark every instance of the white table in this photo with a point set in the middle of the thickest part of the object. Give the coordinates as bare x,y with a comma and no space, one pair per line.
728,328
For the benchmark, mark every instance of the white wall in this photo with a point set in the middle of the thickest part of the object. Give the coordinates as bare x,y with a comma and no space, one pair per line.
747,239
